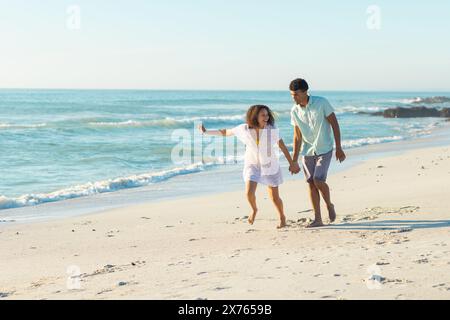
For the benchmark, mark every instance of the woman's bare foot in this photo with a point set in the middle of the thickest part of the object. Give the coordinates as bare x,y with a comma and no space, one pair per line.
252,217
282,223
315,224
332,213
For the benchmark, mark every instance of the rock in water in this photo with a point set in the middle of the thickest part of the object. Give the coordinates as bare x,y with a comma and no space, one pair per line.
431,100
415,112
445,113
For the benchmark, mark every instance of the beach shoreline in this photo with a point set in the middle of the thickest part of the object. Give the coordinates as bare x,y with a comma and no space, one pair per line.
392,223
200,183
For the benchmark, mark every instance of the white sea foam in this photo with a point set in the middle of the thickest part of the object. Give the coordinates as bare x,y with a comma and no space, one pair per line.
353,143
407,101
355,109
424,100
369,141
21,126
416,129
92,188
166,122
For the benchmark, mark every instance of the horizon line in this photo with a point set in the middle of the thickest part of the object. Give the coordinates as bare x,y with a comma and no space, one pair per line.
228,90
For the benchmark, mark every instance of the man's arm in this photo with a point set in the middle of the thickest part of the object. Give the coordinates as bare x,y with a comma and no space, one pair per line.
340,155
296,149
285,151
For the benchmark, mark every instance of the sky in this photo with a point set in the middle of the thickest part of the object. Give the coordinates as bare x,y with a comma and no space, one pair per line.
225,45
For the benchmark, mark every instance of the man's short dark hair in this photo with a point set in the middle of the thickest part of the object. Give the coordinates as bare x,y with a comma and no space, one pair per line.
299,84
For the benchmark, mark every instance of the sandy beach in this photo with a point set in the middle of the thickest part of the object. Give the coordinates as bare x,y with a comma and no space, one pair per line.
391,241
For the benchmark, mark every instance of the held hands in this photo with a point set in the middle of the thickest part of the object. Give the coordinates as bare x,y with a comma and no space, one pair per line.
340,155
294,168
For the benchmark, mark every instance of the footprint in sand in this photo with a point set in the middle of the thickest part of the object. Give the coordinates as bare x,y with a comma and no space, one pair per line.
303,222
422,261
5,294
39,283
282,267
104,291
221,288
370,214
126,283
328,297
110,268
112,233
403,230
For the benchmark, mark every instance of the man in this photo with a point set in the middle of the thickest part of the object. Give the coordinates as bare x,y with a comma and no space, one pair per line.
313,119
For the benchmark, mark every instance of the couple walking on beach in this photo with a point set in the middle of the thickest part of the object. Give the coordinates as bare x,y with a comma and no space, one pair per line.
314,121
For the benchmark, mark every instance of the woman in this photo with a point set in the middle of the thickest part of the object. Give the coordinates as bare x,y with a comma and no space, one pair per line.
261,164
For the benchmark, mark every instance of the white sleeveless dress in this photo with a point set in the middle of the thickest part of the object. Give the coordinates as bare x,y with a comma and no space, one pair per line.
261,162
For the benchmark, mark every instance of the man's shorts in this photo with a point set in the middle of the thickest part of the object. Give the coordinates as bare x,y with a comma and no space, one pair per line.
316,167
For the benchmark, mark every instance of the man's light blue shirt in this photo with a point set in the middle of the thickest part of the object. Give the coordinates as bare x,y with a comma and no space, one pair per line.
314,126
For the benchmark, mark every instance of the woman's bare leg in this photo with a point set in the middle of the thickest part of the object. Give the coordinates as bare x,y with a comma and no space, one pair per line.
251,197
275,196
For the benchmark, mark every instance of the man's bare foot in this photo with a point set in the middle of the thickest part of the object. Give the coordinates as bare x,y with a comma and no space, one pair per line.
332,213
282,223
252,217
315,224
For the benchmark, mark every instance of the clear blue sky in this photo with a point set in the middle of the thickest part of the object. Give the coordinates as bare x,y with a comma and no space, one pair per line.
208,44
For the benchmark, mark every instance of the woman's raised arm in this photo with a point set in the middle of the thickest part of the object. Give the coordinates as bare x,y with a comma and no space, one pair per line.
220,132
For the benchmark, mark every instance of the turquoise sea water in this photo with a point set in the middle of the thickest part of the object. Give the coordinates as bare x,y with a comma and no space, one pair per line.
62,144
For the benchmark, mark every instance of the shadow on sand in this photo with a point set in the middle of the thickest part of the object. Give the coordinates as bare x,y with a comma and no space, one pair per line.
392,225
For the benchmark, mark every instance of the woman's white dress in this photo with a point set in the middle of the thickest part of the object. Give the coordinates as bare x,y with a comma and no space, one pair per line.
261,162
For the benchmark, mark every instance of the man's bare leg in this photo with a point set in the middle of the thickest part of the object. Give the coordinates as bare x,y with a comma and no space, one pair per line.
325,192
251,197
275,196
315,200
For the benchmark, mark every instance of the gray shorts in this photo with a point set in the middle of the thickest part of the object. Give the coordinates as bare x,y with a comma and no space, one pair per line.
316,167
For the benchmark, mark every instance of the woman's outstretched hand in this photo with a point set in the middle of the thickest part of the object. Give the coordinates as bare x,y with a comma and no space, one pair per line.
202,128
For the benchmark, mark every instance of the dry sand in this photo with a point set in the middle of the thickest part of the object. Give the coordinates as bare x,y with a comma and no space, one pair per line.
391,241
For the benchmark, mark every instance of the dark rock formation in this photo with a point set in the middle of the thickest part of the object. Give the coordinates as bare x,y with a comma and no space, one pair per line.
445,113
431,100
413,112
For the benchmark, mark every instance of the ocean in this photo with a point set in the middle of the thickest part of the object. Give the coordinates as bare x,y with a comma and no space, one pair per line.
65,144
